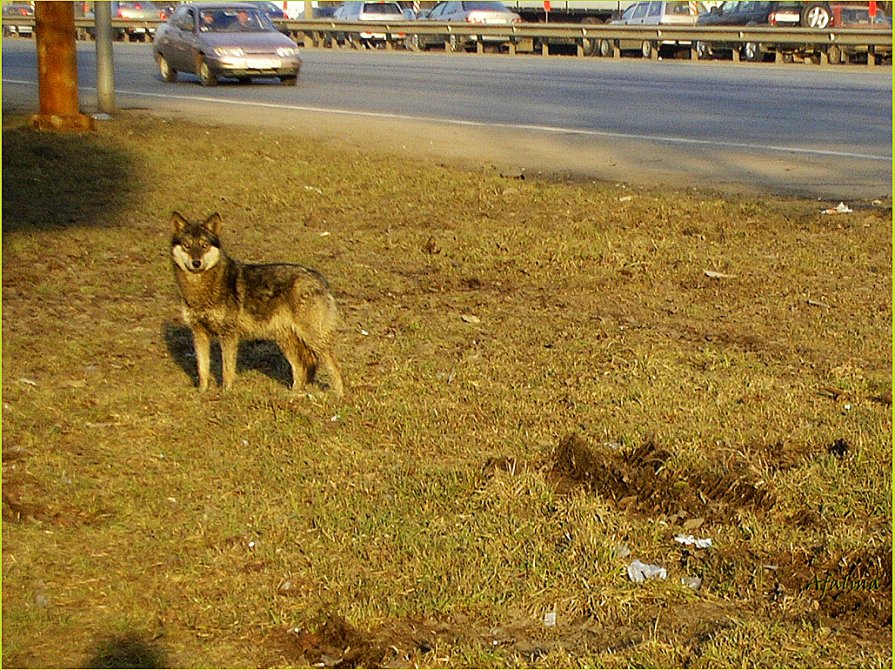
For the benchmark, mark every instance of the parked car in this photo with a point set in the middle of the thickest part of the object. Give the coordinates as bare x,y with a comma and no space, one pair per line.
653,14
18,10
144,10
485,13
857,16
367,11
224,40
273,10
817,15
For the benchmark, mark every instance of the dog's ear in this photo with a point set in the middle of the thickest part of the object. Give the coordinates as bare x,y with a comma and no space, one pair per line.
213,223
178,223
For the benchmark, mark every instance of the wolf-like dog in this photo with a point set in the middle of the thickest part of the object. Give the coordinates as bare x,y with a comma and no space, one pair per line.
224,298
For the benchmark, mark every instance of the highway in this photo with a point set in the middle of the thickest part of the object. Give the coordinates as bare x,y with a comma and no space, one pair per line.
820,132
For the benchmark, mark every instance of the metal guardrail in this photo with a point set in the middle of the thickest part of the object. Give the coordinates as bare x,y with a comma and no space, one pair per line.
320,32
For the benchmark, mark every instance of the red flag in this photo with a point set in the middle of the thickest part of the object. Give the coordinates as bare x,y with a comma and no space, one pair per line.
871,8
546,5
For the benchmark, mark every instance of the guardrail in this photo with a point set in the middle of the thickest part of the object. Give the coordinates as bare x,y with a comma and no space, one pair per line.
586,38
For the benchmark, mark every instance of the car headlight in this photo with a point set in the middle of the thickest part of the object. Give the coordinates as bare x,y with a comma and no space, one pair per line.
287,52
236,52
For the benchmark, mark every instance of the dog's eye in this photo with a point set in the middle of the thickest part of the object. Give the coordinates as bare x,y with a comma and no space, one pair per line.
185,246
203,245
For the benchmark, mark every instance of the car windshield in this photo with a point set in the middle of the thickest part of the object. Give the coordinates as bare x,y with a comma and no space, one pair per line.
381,8
227,20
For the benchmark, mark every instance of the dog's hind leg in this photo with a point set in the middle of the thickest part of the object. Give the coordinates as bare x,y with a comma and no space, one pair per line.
335,375
301,359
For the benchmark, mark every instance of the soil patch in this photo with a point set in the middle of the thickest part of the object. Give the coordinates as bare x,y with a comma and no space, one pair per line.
641,480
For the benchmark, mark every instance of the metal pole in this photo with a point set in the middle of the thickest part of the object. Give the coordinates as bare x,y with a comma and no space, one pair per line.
105,71
57,68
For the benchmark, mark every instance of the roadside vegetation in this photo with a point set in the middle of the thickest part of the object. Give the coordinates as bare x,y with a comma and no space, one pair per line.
546,381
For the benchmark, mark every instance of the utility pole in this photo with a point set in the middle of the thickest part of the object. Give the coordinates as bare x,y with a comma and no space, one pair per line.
105,71
57,68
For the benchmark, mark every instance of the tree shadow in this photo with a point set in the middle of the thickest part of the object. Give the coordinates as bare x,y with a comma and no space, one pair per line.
53,180
129,650
264,356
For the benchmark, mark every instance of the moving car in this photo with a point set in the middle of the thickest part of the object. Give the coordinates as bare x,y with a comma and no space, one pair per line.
653,14
367,11
484,13
224,40
18,10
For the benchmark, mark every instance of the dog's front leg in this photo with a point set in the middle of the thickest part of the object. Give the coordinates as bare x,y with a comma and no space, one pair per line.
229,349
202,345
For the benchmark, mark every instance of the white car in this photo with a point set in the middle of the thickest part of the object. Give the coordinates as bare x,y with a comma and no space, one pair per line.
368,11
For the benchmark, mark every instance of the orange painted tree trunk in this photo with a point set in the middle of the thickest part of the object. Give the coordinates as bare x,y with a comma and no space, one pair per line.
57,68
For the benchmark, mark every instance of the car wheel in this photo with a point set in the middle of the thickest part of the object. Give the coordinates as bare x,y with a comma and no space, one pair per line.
589,45
752,52
816,15
168,73
206,76
606,49
647,49
835,54
703,50
290,80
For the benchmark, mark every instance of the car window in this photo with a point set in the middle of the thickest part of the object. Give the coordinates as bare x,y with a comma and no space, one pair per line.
677,8
640,10
629,12
382,8
655,9
480,6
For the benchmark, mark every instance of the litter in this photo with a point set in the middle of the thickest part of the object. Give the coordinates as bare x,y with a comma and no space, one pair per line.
841,208
711,274
550,619
699,543
639,572
693,583
470,318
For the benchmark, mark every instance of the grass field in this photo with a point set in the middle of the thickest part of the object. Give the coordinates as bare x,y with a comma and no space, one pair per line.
545,382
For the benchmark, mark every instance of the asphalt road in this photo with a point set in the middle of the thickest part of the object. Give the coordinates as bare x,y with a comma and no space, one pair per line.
803,130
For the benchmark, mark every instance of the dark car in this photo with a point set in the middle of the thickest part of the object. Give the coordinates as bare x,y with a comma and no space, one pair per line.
817,15
224,40
18,10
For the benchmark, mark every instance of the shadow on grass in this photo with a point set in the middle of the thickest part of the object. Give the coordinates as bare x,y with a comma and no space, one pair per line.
53,180
127,651
264,356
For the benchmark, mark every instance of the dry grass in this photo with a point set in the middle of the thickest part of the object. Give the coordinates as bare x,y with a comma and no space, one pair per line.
540,376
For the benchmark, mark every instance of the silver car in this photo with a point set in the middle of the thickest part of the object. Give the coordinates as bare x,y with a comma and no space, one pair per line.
368,11
654,13
224,40
485,13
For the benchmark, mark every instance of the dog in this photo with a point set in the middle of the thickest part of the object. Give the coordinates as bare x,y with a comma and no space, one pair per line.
224,298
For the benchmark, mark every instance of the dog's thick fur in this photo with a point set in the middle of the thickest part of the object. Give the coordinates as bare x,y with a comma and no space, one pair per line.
223,298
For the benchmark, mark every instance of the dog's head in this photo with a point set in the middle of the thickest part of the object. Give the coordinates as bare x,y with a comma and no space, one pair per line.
196,247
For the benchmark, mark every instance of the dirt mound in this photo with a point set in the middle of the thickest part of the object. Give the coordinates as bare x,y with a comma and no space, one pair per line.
640,480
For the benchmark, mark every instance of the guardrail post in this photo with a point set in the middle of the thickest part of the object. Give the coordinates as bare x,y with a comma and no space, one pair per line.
545,48
479,47
512,47
871,56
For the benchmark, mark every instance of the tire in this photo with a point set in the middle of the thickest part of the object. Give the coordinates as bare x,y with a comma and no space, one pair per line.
752,52
206,76
168,73
605,49
816,15
590,46
289,80
703,50
647,50
835,54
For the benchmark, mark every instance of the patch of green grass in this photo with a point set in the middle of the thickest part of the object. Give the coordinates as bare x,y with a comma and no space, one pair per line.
431,517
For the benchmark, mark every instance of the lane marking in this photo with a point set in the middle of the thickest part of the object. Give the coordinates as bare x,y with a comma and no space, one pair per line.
555,130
